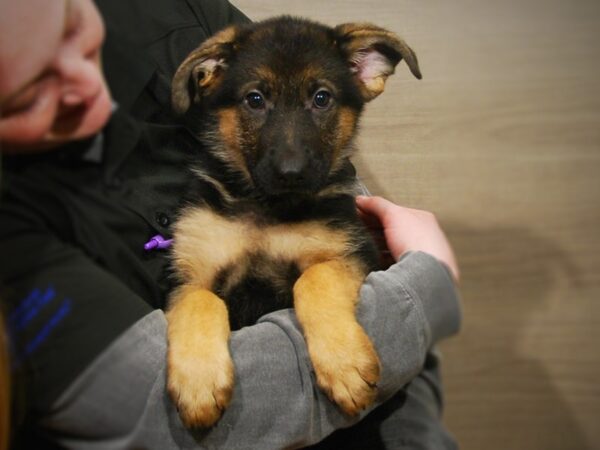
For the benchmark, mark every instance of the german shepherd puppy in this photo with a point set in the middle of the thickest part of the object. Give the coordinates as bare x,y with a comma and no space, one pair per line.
274,224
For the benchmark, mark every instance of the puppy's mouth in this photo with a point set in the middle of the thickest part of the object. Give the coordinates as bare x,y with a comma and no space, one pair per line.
285,189
275,184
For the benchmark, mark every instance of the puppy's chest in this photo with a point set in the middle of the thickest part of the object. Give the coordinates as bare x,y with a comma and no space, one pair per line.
207,244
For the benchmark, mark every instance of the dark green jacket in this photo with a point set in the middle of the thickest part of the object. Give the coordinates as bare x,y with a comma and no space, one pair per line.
73,222
81,295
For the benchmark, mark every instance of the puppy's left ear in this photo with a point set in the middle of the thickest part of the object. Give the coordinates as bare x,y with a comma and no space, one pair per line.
202,70
373,54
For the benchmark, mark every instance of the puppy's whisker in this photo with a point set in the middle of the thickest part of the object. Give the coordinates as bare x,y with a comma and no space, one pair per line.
219,187
350,188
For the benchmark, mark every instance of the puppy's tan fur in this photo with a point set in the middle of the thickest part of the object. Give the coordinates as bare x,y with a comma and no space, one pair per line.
219,246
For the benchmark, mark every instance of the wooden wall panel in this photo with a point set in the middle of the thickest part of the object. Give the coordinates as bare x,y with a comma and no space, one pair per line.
501,139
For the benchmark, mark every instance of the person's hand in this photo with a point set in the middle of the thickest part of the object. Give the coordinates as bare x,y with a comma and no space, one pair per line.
404,229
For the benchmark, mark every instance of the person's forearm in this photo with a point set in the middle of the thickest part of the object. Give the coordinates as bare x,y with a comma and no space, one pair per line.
121,401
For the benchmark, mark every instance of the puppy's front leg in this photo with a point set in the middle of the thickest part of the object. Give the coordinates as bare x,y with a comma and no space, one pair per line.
344,359
200,369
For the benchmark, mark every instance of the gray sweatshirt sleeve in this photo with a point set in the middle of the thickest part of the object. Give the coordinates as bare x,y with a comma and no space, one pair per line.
121,402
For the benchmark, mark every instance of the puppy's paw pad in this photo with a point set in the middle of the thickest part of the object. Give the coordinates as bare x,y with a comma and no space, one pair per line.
200,389
348,373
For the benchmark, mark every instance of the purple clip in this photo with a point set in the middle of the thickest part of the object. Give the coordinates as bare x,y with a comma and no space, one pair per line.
158,242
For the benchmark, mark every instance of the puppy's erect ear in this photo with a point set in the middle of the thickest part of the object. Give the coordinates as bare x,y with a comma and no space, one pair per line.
373,54
202,70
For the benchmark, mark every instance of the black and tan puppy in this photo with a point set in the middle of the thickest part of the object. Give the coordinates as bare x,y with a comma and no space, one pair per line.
273,225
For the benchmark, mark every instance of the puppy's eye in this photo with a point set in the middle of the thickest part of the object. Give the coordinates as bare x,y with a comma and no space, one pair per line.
255,100
322,99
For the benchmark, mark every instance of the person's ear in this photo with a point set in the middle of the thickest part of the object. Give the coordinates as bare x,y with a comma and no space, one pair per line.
202,71
373,53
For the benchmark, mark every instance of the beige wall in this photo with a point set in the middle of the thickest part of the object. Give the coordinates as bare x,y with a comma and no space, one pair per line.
502,140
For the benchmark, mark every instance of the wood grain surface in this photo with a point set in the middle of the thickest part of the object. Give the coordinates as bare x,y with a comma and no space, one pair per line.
501,139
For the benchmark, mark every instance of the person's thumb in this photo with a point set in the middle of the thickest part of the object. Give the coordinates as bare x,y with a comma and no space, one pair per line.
375,206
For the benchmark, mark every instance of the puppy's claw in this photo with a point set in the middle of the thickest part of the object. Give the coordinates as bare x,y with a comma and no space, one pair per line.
348,373
201,391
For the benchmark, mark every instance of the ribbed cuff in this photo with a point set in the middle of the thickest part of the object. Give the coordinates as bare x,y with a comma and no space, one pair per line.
430,284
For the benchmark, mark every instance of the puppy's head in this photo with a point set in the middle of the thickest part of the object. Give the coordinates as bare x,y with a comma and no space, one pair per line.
279,100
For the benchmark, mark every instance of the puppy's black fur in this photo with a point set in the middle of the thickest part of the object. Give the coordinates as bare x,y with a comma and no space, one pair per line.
271,221
276,105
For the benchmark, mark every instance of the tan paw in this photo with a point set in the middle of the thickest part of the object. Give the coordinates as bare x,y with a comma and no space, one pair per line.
347,367
201,385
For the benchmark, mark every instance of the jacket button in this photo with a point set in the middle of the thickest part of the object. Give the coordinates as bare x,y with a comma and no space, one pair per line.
162,219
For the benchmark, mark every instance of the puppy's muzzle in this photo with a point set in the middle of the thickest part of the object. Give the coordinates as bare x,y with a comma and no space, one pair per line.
290,170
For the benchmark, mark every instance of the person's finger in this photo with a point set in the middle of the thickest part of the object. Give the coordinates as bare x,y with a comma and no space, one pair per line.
386,259
380,241
369,220
374,206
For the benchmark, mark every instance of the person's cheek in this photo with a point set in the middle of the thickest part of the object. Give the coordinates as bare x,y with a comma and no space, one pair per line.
28,127
92,34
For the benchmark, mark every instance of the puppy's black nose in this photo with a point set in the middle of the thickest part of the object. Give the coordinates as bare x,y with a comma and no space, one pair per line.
290,170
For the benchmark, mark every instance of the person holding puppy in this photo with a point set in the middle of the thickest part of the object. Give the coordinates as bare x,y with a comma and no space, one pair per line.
87,182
